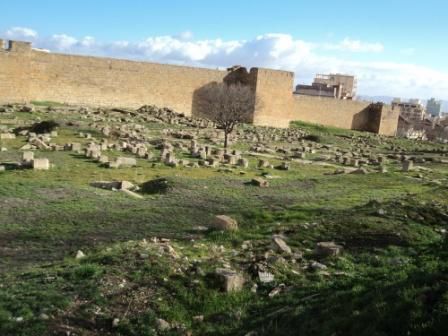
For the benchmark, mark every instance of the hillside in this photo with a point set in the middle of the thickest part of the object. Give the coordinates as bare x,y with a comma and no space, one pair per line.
338,232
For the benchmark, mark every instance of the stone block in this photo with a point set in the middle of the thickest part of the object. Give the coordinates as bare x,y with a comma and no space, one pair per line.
7,136
27,156
41,164
229,280
224,223
326,249
260,182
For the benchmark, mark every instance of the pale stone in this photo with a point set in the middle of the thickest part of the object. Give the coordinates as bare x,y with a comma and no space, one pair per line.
328,249
280,245
230,280
317,266
41,164
265,277
7,136
224,223
27,156
260,182
103,159
162,325
75,146
263,164
80,255
39,144
110,185
242,162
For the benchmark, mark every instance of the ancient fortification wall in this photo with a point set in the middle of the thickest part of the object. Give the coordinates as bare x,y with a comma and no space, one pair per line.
274,92
15,72
389,121
350,114
328,111
100,81
27,74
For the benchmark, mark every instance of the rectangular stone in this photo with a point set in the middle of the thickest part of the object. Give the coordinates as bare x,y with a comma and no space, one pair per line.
41,164
27,156
7,136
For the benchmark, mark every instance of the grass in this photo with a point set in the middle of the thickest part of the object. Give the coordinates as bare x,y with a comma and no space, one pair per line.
46,103
390,279
330,130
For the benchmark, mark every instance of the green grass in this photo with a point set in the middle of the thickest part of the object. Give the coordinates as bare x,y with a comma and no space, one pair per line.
321,129
390,279
46,103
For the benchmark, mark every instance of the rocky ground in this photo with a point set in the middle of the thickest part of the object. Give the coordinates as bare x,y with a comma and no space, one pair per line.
139,222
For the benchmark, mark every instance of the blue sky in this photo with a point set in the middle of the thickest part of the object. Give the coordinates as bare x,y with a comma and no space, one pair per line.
395,47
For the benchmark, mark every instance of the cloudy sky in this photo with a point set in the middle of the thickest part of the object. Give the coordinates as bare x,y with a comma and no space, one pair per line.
394,47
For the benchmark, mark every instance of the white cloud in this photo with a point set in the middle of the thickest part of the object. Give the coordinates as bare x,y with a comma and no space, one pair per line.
395,79
350,45
88,41
62,42
277,51
21,33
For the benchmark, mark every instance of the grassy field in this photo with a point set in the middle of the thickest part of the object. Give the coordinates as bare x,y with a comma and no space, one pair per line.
391,279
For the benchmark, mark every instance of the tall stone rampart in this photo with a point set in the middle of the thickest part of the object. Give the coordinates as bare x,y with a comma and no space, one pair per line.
349,114
27,74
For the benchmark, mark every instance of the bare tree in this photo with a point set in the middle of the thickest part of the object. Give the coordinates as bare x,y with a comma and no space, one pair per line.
227,105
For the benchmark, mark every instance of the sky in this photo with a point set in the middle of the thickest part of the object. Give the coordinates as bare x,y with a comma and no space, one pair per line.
394,47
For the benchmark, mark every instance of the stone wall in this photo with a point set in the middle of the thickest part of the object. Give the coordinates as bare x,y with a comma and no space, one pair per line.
273,90
349,114
275,99
327,111
14,72
389,121
110,82
27,74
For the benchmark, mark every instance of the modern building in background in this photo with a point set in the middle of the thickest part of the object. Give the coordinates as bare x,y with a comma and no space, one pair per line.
412,110
434,107
336,86
346,84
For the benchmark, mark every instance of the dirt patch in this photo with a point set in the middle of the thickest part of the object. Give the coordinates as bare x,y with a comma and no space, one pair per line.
54,194
15,202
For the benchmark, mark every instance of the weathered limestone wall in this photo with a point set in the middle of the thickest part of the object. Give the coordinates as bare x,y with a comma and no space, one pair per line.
349,114
111,82
328,111
27,74
14,72
274,91
389,121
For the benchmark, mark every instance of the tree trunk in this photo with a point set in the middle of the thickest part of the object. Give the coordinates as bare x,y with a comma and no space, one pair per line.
226,134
